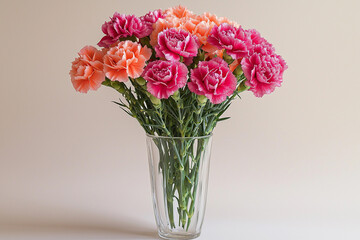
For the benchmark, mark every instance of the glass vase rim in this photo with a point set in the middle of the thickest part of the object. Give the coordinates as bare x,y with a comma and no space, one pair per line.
167,137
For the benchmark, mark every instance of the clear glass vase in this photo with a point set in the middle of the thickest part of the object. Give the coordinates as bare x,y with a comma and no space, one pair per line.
179,170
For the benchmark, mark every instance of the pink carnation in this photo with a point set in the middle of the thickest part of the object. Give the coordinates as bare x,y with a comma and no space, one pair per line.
165,77
234,40
120,26
173,43
256,39
87,70
263,70
213,79
149,19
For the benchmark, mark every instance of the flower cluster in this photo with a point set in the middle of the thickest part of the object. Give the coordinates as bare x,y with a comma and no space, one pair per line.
209,56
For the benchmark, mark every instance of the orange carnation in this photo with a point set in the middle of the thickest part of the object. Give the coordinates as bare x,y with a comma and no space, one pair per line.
87,70
124,60
179,12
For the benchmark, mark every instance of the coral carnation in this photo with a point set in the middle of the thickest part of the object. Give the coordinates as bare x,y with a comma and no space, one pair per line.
179,12
213,79
87,70
126,59
165,77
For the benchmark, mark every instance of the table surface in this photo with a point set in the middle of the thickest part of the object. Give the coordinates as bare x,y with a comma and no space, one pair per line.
212,229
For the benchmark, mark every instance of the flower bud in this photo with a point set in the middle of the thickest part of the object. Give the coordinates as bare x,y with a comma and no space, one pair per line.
155,101
201,55
118,86
176,95
238,71
106,82
242,87
202,99
228,59
141,81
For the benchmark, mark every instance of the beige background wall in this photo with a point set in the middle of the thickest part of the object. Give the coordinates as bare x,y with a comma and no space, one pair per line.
286,166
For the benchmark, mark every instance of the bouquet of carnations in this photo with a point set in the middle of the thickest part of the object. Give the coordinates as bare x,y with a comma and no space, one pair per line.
178,73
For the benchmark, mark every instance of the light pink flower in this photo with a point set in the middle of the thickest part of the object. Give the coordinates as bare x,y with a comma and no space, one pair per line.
149,19
87,70
120,26
234,40
213,79
263,70
165,77
173,43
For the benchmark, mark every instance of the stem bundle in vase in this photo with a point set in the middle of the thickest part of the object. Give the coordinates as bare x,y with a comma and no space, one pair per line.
177,73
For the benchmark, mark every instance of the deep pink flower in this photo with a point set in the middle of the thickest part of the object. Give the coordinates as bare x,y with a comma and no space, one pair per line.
234,40
263,70
213,79
173,43
165,77
256,39
119,26
149,19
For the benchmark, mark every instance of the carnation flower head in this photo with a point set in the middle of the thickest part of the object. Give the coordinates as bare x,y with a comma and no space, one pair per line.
179,12
213,79
175,43
150,18
217,20
175,17
121,26
263,70
233,39
165,77
160,25
87,70
257,39
124,60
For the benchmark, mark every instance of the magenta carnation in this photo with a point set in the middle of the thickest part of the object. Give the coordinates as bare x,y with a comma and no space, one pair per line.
149,19
173,43
165,77
256,39
263,70
234,40
121,25
213,79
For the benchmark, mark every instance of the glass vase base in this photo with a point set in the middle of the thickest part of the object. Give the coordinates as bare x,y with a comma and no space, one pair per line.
184,236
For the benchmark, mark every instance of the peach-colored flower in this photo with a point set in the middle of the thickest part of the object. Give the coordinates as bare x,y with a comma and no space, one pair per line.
127,59
179,12
87,70
217,20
